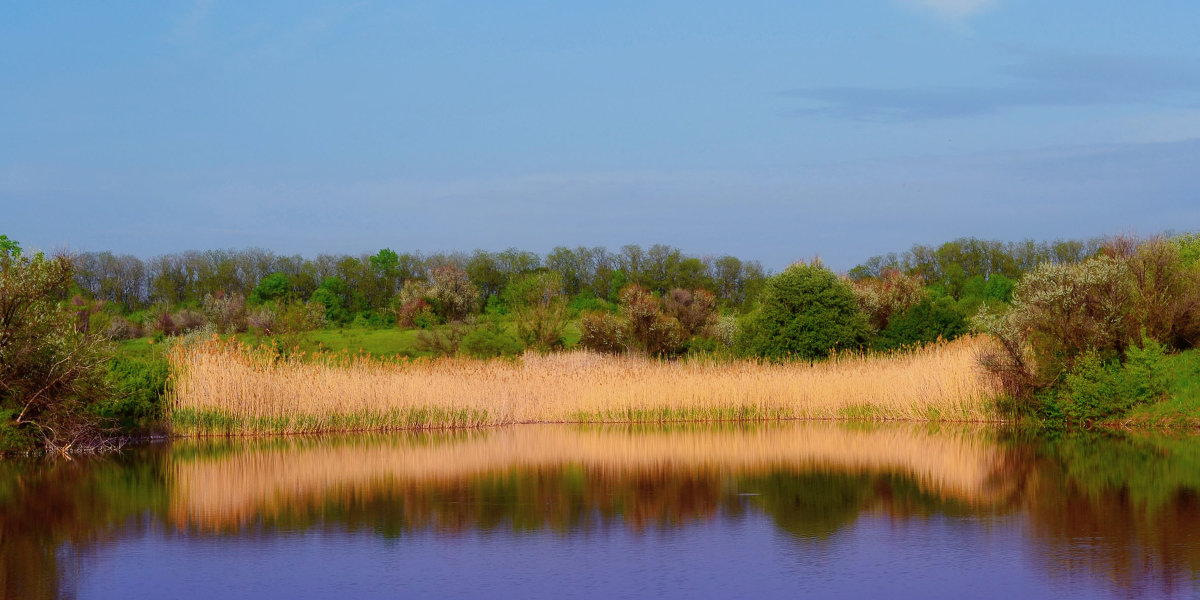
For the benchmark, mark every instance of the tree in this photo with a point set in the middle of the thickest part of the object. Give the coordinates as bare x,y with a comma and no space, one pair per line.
539,309
805,312
49,371
695,310
276,287
385,265
332,295
454,296
9,247
924,322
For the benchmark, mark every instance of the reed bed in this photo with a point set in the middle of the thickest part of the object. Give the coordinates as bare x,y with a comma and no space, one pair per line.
250,478
226,388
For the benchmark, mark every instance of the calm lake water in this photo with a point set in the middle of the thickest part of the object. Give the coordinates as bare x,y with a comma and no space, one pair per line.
730,511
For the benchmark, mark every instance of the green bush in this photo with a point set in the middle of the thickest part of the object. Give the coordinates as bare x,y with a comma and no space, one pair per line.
490,341
587,302
139,388
276,287
537,309
805,312
1098,389
331,296
926,322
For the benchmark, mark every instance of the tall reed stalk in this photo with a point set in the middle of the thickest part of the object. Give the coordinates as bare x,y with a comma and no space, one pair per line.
224,387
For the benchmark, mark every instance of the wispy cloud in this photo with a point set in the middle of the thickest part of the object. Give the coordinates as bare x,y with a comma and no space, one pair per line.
952,10
1035,81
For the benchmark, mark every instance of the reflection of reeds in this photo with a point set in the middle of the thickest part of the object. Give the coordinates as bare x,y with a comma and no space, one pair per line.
249,478
229,388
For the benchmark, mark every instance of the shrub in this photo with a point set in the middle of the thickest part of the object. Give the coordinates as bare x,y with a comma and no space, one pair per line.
412,290
1166,293
139,390
805,312
603,331
165,324
695,310
1060,312
586,302
649,329
490,341
443,341
50,372
226,312
924,322
416,313
120,328
726,330
263,320
538,309
302,316
1097,389
189,320
375,319
893,292
452,294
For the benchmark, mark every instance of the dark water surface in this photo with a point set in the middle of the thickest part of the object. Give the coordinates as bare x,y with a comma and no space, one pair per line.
779,510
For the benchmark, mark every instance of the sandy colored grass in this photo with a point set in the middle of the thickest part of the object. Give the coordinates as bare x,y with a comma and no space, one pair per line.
258,478
229,388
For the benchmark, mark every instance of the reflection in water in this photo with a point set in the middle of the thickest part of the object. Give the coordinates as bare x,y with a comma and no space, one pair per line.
1122,510
223,486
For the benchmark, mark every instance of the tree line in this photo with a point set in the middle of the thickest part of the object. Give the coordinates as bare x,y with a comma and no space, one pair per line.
372,282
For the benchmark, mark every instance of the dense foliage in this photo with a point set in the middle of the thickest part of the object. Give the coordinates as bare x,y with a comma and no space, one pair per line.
373,282
1086,340
646,323
51,371
805,312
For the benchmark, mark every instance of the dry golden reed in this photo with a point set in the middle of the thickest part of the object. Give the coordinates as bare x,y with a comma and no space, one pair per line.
231,487
228,388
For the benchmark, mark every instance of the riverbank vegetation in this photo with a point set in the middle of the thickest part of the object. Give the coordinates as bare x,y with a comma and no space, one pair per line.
1097,331
229,388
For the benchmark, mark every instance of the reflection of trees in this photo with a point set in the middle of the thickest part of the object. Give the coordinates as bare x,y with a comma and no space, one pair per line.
1122,506
810,505
50,511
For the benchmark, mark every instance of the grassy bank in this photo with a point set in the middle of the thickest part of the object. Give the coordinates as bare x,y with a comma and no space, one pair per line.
1181,408
225,387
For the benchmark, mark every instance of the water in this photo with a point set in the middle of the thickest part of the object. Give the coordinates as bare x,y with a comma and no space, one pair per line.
794,509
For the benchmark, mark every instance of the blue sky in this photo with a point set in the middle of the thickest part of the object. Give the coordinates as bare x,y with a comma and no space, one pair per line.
768,130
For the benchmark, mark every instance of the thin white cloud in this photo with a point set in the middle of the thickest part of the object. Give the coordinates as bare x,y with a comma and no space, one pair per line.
952,10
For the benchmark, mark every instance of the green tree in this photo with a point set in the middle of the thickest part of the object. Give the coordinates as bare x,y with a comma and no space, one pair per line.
924,322
9,247
805,312
539,309
50,373
331,295
276,287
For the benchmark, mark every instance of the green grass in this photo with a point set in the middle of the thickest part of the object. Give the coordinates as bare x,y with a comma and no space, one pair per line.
1182,407
141,348
379,342
192,422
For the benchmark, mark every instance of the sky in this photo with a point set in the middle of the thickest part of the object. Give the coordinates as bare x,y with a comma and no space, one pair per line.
773,131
